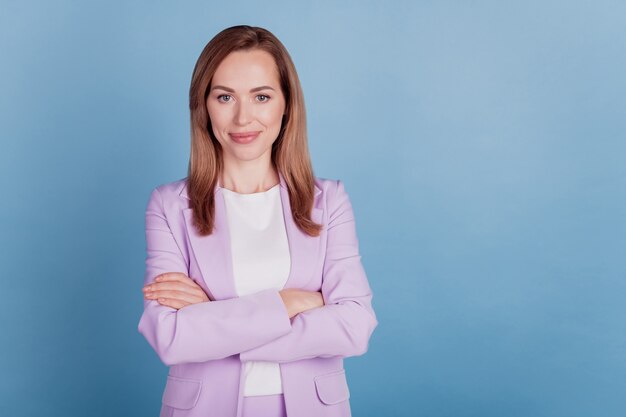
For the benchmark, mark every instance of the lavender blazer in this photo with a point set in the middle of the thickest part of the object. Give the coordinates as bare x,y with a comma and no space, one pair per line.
204,344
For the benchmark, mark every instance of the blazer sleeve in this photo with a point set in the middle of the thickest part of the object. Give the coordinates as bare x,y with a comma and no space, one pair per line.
201,331
343,326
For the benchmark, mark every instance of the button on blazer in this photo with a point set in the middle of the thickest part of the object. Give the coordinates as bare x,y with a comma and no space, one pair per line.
204,344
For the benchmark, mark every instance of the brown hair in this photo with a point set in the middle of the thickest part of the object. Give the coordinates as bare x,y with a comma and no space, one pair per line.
290,153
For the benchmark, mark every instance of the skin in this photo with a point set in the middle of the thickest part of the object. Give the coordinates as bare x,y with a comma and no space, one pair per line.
248,168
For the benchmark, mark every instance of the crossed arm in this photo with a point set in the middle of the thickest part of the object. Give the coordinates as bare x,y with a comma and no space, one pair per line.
183,325
177,290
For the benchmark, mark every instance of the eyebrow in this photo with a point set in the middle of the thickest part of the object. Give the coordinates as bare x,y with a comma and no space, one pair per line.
230,90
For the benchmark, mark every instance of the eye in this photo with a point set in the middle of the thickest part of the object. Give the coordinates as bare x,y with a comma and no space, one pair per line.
263,98
219,98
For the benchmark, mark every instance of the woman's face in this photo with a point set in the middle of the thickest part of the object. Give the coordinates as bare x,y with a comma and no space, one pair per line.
246,105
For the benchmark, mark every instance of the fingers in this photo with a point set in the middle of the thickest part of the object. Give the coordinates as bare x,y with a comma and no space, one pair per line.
180,295
175,281
174,276
175,299
173,285
313,299
188,295
175,290
174,303
297,300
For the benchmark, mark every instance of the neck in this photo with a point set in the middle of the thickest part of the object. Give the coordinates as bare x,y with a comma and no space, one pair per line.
248,180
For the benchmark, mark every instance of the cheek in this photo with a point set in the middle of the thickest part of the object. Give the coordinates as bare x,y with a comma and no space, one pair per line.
272,115
218,118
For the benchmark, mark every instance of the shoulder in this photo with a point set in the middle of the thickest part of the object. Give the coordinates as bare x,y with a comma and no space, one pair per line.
336,202
332,190
169,192
169,188
326,185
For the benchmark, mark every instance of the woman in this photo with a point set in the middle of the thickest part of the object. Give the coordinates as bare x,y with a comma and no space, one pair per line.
254,289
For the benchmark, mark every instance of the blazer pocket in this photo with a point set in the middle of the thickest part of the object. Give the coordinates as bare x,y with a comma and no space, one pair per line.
181,393
332,388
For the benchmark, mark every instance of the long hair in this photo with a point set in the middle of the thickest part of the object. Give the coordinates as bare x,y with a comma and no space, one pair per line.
290,152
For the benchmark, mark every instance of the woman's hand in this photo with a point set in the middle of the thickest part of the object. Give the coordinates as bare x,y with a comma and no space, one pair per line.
176,290
297,300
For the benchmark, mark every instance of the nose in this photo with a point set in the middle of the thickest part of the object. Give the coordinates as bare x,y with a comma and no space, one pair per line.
243,113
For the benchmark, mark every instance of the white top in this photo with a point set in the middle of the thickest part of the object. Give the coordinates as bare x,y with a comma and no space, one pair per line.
261,260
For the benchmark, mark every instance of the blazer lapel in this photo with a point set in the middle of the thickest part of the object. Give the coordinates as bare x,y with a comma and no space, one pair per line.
213,252
303,249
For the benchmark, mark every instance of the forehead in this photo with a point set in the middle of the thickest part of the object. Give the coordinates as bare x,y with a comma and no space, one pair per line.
247,68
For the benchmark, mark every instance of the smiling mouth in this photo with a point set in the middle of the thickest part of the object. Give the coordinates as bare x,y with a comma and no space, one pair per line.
244,137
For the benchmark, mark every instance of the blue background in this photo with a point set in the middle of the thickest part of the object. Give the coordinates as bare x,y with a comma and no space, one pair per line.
482,144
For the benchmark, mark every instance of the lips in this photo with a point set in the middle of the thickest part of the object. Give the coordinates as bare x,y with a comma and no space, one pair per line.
244,137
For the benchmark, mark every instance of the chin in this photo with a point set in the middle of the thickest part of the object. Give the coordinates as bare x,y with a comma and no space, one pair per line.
250,155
